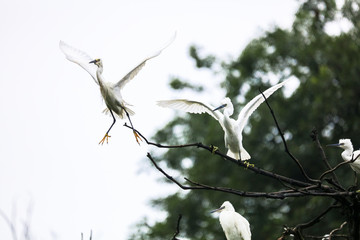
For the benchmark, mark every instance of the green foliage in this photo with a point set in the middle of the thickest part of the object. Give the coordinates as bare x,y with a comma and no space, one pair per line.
205,62
328,70
177,84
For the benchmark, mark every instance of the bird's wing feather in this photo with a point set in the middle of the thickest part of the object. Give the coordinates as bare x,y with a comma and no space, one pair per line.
79,57
128,77
190,106
250,107
243,226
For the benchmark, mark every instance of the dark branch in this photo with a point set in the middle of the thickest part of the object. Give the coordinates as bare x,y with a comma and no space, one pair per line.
285,144
337,166
325,190
10,224
316,219
314,135
275,195
177,228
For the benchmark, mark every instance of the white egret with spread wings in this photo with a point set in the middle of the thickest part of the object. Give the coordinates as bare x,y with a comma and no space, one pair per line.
111,92
232,128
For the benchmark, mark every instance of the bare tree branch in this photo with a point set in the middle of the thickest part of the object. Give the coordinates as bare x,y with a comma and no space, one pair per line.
10,224
337,166
285,144
177,228
276,195
314,136
337,229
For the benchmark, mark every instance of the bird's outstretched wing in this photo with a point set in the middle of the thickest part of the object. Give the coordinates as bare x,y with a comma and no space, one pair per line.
137,69
79,57
190,106
249,108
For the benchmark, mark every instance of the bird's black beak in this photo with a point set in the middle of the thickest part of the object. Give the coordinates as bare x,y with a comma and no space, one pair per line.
217,210
220,107
334,145
94,61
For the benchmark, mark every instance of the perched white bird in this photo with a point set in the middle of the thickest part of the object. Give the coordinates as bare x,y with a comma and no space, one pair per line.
349,154
232,128
235,226
111,92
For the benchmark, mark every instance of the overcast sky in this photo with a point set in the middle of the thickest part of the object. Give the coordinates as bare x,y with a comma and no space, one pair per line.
51,165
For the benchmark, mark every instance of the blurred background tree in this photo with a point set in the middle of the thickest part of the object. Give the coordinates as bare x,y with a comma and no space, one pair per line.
326,65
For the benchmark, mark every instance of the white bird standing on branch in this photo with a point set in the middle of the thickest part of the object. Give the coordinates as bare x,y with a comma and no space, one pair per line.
111,92
232,128
235,226
349,154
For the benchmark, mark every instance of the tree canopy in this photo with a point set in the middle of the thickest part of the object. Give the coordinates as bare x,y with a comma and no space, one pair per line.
327,68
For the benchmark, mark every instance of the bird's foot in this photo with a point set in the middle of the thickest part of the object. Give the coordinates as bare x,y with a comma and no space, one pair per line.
248,164
213,148
137,137
105,138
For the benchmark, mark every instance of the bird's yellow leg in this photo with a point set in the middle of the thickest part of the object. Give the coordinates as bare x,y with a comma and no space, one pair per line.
137,137
105,138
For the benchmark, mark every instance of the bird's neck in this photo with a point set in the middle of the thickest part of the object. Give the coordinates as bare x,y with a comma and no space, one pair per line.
347,154
228,123
99,76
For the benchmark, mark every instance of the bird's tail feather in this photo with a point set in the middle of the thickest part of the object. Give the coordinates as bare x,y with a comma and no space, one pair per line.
243,153
122,114
233,155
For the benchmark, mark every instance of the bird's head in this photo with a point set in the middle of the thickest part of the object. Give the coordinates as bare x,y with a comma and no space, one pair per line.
343,143
227,105
97,62
226,206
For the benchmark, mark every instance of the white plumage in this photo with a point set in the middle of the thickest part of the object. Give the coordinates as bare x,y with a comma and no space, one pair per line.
349,154
232,128
235,226
111,92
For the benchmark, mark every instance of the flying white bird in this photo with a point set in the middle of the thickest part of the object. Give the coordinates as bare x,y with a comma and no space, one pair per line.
111,92
235,226
232,128
349,154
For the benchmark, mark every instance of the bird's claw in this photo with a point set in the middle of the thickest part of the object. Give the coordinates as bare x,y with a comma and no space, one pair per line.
105,138
137,137
248,164
213,149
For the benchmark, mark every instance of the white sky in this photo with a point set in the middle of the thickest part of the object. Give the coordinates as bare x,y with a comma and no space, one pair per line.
51,110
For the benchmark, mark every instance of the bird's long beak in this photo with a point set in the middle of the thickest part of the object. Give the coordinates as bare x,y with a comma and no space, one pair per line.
220,107
94,61
334,145
217,210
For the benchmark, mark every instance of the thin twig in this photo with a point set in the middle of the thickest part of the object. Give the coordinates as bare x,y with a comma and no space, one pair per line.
10,224
318,218
177,228
285,144
337,229
297,230
337,166
323,155
160,145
